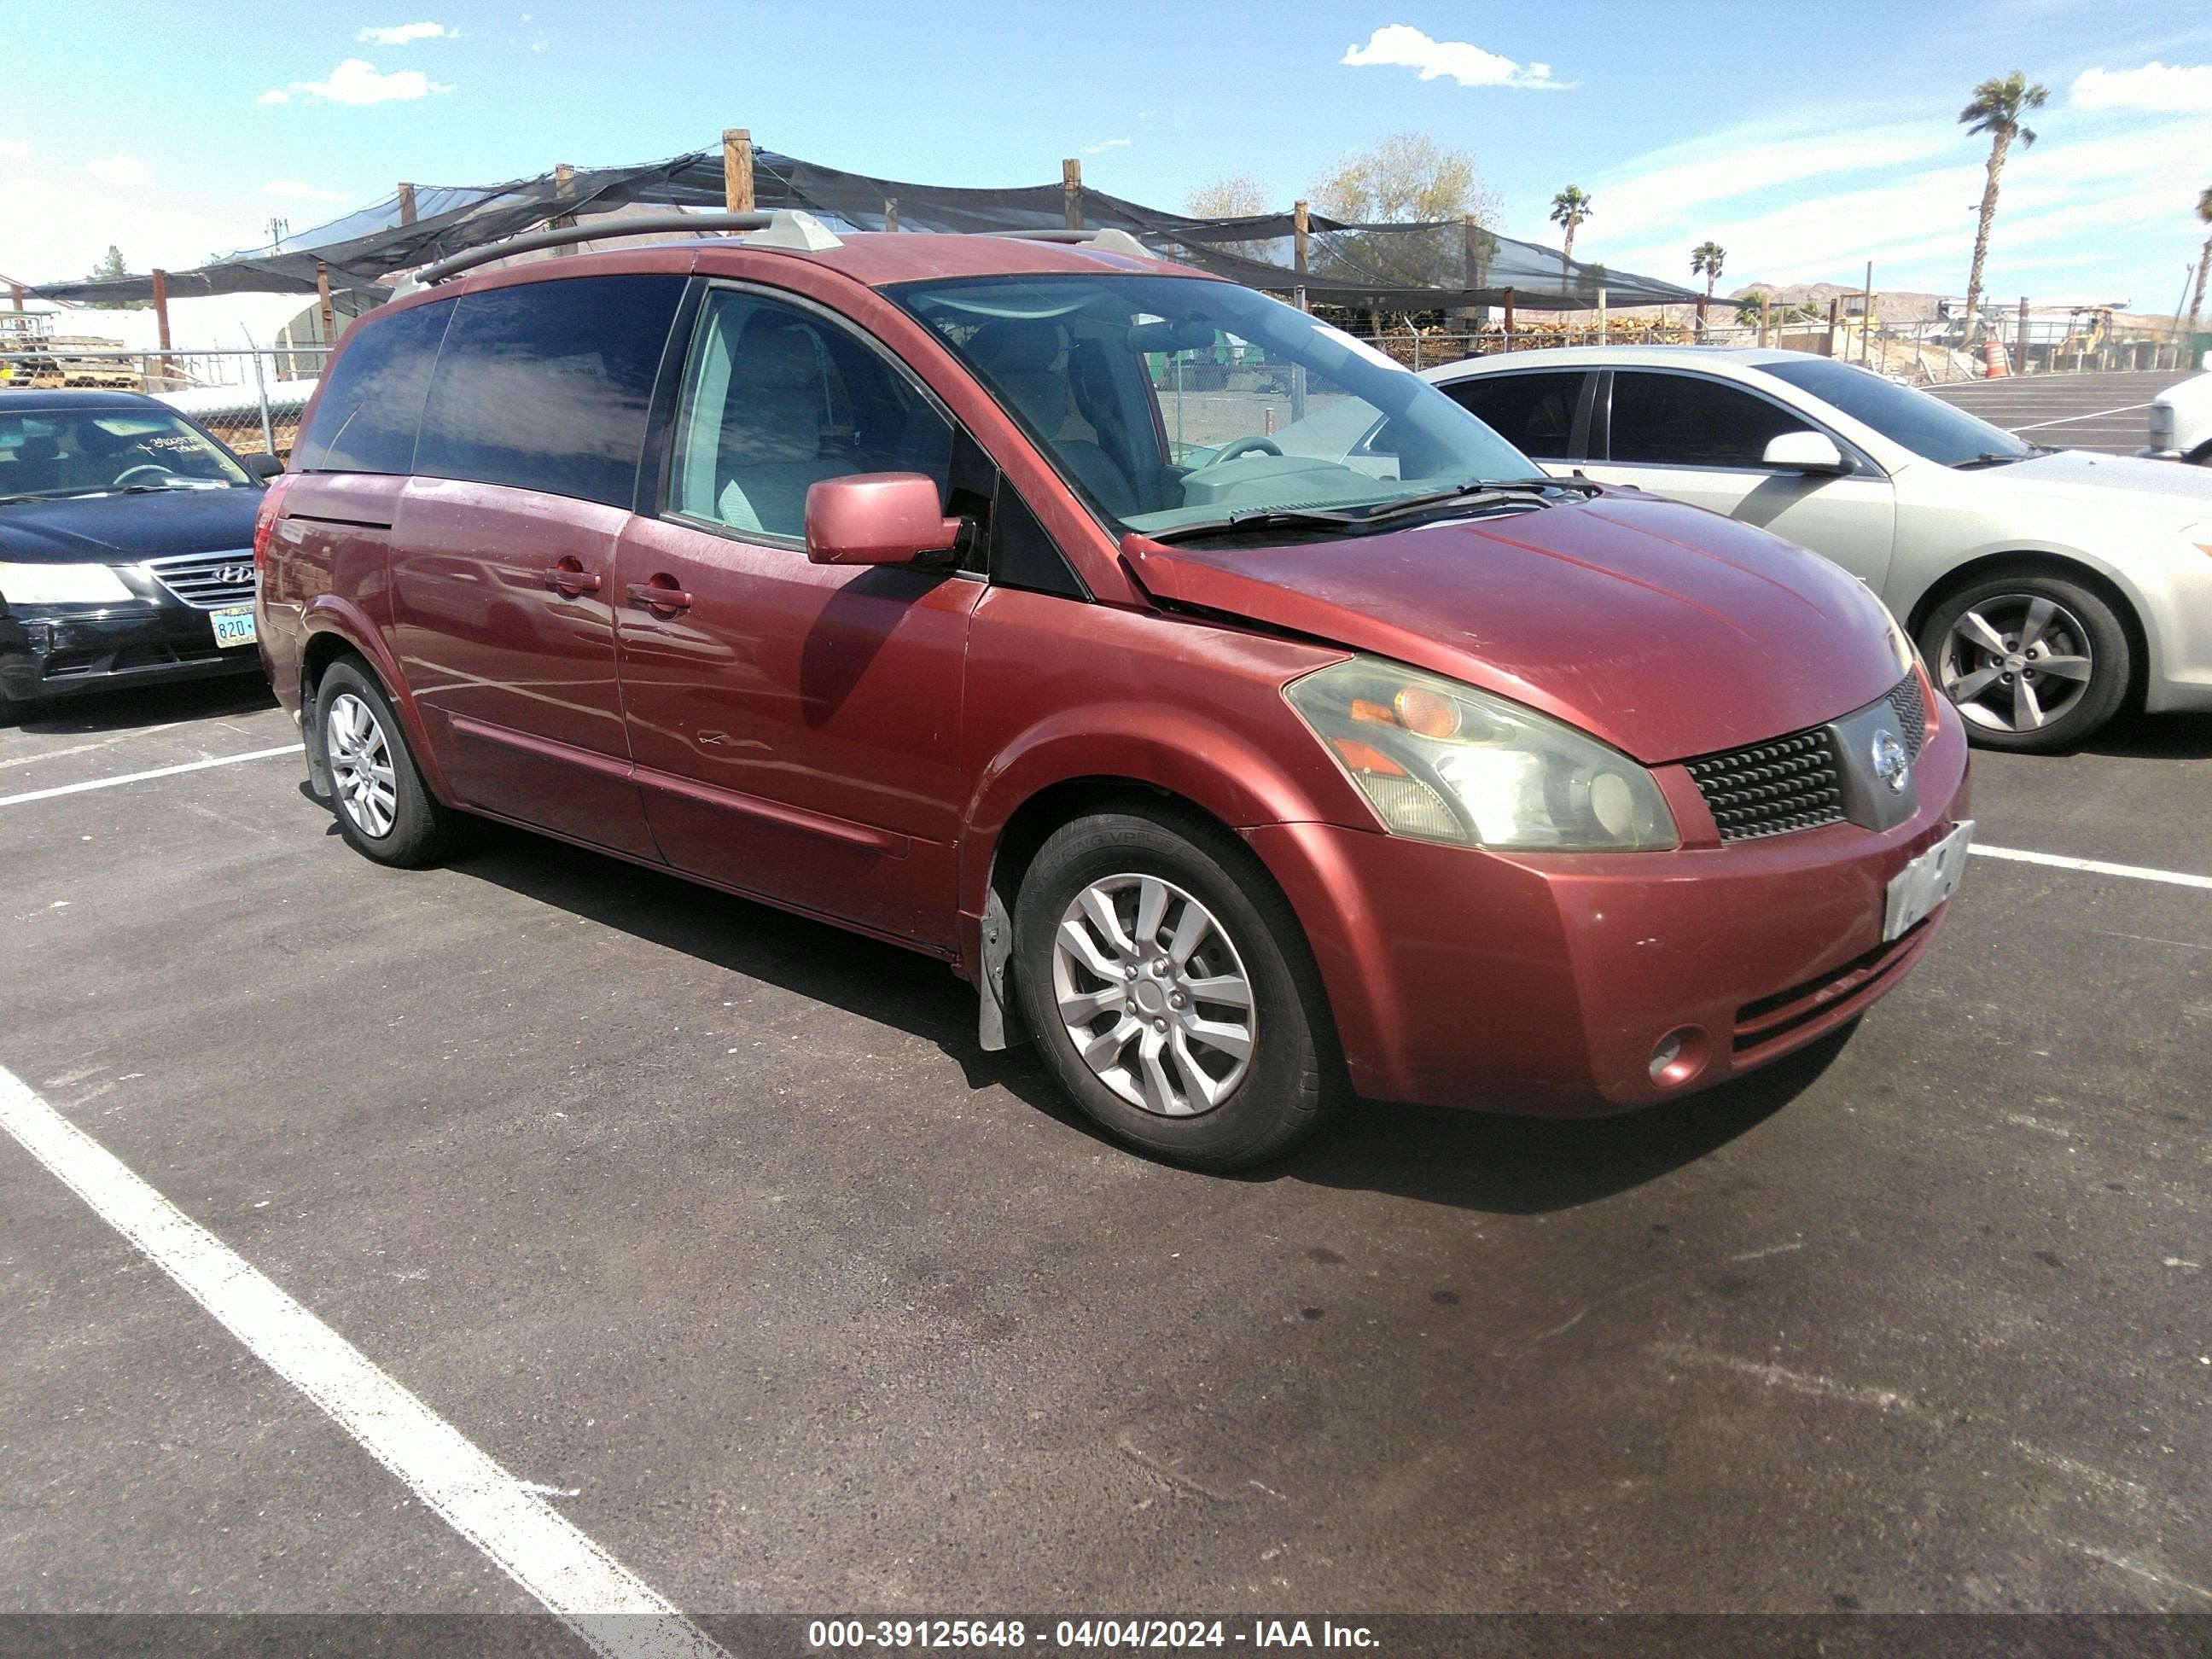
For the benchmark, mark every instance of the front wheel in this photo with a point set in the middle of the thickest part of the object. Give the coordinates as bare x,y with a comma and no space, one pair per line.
2034,662
1169,990
385,812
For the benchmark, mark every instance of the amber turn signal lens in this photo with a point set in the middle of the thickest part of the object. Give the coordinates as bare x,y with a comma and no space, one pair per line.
1361,758
1423,712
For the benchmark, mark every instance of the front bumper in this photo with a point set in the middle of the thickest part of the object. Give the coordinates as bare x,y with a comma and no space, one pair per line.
1542,984
52,651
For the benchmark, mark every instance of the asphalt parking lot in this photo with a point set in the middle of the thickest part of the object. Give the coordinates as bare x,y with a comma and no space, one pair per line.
715,1227
2109,413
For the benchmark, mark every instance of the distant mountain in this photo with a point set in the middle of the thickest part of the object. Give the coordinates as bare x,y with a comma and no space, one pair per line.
1891,306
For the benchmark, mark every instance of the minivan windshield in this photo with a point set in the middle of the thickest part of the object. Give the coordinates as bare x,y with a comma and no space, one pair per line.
48,454
1927,426
1176,405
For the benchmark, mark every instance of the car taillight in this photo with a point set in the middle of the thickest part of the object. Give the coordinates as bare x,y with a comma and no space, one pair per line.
264,521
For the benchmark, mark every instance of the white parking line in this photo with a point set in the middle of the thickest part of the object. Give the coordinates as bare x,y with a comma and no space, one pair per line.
2067,420
615,1613
2095,867
141,777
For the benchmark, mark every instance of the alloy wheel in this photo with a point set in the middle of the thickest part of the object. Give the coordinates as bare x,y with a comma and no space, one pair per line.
2017,662
1154,995
360,765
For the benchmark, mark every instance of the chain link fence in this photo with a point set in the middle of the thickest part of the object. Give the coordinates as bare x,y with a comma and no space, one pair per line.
252,399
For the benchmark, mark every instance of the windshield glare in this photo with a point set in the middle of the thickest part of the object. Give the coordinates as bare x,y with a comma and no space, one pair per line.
1927,426
89,452
1168,402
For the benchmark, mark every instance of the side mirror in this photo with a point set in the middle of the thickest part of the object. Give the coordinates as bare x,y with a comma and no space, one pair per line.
1807,452
877,518
261,466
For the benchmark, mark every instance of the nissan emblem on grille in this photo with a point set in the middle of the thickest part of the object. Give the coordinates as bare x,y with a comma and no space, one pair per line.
1891,763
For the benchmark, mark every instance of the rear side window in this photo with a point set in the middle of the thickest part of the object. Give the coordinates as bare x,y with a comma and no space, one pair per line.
547,386
372,401
1686,420
1534,413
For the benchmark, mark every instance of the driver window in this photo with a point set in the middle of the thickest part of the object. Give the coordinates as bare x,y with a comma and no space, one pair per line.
777,399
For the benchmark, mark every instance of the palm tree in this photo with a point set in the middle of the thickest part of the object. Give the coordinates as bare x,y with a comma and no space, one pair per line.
1997,105
2205,214
1708,258
1569,208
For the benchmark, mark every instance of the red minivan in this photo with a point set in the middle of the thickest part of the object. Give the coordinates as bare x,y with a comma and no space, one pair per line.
1253,727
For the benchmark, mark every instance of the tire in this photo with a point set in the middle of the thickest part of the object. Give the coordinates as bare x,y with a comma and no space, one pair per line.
1209,1107
2078,627
383,808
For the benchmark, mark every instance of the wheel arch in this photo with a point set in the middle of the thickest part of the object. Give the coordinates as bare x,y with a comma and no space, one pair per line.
2142,646
337,628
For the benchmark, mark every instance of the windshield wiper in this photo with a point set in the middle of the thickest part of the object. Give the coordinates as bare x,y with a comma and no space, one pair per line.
1479,492
1257,518
1989,458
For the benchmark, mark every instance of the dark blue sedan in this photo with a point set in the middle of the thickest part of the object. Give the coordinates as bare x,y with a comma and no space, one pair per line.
127,546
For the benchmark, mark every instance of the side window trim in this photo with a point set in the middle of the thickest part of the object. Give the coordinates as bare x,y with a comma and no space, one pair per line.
1868,465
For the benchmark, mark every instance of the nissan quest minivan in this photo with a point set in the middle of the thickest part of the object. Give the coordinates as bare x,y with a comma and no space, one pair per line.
978,594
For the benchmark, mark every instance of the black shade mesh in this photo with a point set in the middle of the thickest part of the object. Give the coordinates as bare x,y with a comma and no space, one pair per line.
1401,267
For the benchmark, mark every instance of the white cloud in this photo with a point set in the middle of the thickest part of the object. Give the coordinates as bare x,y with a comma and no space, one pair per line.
1658,190
121,171
1105,144
1400,46
357,80
298,190
2173,88
12,149
400,35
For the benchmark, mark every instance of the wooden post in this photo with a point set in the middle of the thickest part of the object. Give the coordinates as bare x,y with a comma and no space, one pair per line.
2022,367
1835,308
564,187
16,289
891,213
1766,316
1866,314
406,203
1299,233
162,317
1509,320
1071,191
1600,316
737,170
323,305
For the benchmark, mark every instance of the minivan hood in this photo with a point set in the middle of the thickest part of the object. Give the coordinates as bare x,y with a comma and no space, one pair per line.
125,529
1667,631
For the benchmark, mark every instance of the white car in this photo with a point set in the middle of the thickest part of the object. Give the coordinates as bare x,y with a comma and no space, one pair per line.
2181,422
2044,588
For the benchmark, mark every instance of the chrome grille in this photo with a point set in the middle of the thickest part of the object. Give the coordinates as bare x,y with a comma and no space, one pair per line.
207,581
1772,788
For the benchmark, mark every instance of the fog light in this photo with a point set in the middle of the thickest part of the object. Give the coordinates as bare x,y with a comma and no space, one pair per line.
1679,1056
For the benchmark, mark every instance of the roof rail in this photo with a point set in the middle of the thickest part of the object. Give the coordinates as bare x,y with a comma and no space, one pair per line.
784,227
1108,240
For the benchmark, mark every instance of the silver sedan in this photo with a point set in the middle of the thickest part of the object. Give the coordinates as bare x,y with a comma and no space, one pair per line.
2044,588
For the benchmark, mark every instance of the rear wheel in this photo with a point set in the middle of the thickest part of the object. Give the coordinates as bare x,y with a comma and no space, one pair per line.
384,809
1169,990
2033,661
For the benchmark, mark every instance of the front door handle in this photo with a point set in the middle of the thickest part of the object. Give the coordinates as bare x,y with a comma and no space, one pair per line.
661,593
570,580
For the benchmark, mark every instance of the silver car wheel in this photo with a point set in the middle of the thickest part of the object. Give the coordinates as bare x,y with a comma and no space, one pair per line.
360,765
1154,995
2017,662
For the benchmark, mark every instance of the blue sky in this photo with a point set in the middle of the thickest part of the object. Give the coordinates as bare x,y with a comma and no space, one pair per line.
1804,141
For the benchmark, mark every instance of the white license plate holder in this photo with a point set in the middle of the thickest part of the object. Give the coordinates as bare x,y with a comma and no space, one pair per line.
1925,883
233,625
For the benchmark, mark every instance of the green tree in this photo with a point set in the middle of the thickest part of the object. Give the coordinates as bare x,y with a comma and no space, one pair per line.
2204,258
109,268
1997,105
1409,178
1708,258
1239,196
1569,209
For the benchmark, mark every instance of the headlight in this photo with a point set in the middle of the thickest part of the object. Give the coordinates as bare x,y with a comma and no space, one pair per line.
1444,761
62,584
2199,536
